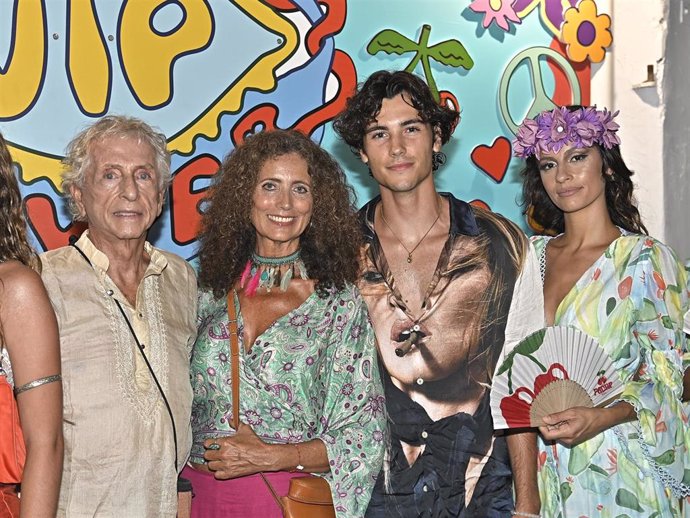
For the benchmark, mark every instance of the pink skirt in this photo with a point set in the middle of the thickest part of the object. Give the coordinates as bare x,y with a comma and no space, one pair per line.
246,497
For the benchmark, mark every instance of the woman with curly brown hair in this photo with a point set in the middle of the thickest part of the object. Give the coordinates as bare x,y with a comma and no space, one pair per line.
279,246
605,276
29,361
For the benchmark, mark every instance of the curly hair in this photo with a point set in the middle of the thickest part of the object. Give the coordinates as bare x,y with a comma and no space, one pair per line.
364,106
78,154
330,244
618,188
13,238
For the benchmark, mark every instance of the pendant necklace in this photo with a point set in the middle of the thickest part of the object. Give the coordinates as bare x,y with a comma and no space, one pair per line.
409,252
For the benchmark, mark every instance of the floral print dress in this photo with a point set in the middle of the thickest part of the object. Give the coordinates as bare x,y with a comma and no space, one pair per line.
312,374
632,300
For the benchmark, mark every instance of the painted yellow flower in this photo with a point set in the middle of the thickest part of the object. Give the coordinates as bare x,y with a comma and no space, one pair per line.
585,33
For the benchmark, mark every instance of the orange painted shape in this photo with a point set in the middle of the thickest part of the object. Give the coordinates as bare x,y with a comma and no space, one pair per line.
184,200
563,94
448,99
481,204
43,221
344,70
332,23
264,114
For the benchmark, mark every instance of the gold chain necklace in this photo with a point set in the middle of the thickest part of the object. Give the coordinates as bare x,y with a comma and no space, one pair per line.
409,252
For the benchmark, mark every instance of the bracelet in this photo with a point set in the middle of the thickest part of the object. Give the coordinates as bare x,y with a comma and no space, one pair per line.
37,383
525,515
299,466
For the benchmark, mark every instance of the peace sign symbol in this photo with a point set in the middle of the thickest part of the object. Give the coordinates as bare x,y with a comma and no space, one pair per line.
541,100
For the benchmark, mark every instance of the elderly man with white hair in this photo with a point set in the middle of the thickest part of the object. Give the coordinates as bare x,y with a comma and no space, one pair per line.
126,313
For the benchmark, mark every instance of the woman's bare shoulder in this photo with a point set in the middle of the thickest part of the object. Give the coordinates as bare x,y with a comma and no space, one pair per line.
18,280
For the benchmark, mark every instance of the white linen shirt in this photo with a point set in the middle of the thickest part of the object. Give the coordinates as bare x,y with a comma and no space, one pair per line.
119,449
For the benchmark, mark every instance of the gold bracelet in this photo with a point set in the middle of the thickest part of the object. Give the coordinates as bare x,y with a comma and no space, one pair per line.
299,466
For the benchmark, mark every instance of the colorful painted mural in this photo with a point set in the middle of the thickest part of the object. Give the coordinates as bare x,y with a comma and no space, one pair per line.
209,72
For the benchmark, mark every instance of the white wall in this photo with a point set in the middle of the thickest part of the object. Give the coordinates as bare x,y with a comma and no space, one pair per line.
677,127
638,28
655,116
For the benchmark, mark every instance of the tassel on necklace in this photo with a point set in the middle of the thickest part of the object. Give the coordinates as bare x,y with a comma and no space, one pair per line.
269,272
245,274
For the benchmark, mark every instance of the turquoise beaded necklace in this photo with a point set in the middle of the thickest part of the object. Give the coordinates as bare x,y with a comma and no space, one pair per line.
269,272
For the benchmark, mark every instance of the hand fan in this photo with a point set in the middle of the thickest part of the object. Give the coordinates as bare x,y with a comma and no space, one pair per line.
551,370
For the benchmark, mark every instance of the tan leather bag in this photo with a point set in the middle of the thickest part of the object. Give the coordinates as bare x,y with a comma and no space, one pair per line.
308,496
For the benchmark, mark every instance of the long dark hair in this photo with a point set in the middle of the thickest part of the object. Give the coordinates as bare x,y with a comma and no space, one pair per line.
13,239
618,188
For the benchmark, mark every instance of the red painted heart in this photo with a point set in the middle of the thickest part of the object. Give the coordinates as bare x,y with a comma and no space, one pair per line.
493,159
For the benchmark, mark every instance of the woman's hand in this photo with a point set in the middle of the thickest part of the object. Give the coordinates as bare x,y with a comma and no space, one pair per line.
579,424
240,455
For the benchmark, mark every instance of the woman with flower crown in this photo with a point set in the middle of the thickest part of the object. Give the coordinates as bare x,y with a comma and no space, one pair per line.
279,245
604,275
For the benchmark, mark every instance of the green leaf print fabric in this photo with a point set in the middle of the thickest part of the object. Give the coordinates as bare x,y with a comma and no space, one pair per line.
312,374
632,300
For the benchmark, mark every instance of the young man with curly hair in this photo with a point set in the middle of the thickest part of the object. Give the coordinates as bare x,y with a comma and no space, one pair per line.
450,287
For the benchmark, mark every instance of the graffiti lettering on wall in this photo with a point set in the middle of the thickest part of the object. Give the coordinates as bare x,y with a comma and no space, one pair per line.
205,73
208,73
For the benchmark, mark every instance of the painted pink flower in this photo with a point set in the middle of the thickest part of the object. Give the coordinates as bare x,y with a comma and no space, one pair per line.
499,12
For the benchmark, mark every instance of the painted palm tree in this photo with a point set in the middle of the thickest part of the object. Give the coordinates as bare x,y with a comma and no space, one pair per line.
450,52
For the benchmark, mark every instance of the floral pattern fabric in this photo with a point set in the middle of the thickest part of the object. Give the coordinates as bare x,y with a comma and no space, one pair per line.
312,374
632,300
5,366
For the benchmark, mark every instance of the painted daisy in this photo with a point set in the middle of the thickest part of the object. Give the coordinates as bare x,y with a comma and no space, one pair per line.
586,33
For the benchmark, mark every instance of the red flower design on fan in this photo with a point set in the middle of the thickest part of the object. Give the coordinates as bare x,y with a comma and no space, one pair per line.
516,407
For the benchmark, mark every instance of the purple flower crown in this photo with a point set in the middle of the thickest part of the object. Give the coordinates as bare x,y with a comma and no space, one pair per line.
551,130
